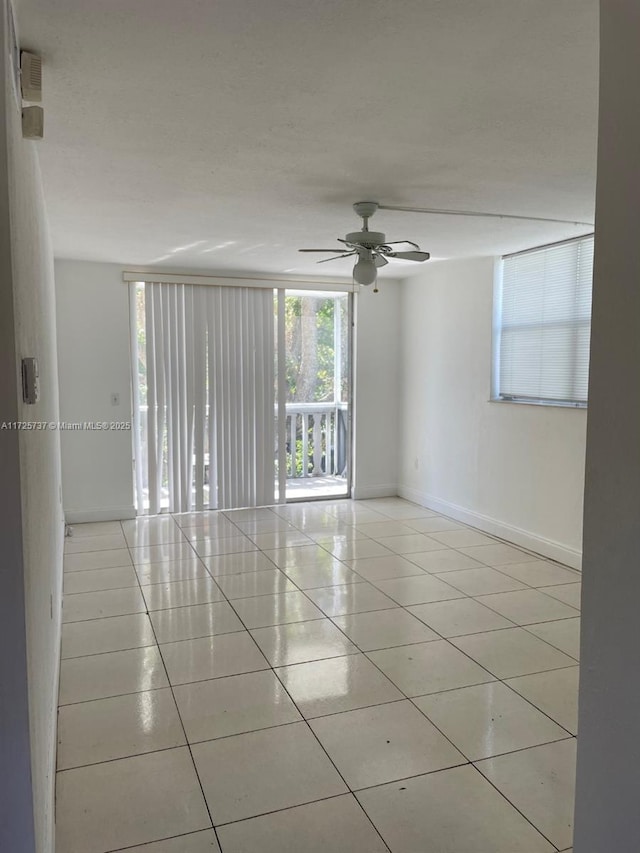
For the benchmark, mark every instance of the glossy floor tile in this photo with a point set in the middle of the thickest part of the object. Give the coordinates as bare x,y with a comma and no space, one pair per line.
383,629
111,674
211,657
429,668
458,617
212,546
251,774
279,539
151,530
568,593
413,543
376,529
554,692
80,544
418,590
137,537
338,825
462,538
488,719
540,783
233,705
301,555
235,564
336,684
358,549
434,524
338,538
198,620
97,580
384,568
443,561
97,560
454,811
161,553
171,571
564,635
541,573
300,642
118,727
375,745
350,598
480,581
527,606
250,584
194,842
497,555
280,609
512,652
82,606
113,634
332,688
97,528
117,804
314,577
181,593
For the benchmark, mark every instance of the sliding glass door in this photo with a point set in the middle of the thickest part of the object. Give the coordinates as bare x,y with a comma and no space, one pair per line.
242,395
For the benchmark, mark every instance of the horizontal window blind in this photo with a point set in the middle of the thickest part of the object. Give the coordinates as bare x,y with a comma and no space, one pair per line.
544,322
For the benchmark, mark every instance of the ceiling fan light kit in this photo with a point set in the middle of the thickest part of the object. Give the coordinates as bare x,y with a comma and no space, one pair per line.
365,271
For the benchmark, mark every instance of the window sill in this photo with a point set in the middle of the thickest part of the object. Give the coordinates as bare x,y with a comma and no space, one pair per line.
555,404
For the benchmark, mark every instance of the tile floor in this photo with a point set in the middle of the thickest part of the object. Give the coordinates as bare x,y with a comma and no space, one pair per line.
345,676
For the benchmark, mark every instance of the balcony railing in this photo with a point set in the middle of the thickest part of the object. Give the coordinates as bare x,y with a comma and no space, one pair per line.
317,439
317,436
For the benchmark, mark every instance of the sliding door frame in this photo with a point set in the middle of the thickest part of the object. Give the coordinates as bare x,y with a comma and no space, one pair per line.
350,402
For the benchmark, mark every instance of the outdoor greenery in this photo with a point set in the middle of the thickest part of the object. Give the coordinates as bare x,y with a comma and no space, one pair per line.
310,348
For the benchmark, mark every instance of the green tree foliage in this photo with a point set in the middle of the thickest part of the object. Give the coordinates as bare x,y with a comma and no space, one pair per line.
310,347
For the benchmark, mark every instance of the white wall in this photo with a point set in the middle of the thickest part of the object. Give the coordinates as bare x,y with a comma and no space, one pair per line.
94,361
377,392
513,470
608,779
92,306
30,280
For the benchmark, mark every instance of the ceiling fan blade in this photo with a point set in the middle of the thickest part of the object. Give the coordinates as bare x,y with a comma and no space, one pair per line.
337,258
323,250
410,256
381,261
403,243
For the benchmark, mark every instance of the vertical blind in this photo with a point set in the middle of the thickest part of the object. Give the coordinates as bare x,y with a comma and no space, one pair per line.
543,319
208,353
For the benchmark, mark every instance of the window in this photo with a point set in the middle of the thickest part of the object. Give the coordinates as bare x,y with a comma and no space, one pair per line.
542,324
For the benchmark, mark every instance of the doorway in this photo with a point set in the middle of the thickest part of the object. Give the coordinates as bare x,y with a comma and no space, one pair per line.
317,392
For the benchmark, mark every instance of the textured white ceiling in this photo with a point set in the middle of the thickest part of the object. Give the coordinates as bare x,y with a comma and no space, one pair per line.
225,134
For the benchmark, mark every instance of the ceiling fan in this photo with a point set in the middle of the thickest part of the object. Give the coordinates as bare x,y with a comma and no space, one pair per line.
371,248
374,251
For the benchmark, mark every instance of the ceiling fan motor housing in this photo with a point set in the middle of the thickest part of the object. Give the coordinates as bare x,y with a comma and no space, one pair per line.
368,239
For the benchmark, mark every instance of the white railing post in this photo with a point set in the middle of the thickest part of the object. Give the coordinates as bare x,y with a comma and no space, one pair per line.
317,444
293,420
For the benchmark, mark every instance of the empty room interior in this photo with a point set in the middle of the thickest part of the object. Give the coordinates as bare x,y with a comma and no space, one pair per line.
319,418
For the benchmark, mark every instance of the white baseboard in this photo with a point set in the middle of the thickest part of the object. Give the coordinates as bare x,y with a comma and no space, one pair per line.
112,513
382,490
531,541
